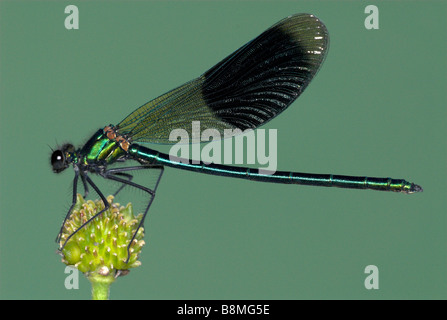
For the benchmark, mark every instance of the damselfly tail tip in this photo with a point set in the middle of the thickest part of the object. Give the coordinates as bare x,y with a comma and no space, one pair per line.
415,188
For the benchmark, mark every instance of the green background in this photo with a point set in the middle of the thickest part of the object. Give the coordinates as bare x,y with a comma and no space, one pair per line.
376,108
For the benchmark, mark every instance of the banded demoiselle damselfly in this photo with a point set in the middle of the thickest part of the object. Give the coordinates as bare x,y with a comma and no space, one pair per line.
245,90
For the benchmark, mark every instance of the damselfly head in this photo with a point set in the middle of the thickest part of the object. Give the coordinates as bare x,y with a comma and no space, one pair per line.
60,158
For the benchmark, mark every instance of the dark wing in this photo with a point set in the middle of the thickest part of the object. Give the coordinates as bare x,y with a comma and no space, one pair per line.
245,90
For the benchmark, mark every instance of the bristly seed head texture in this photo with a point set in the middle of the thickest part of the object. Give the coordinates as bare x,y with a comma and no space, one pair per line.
101,246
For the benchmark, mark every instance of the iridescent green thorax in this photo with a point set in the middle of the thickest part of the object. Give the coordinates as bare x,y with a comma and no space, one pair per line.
104,149
101,148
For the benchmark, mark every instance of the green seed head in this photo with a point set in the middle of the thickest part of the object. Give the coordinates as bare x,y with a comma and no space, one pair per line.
101,246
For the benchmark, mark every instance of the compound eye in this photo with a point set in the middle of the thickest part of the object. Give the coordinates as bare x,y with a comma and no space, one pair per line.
58,161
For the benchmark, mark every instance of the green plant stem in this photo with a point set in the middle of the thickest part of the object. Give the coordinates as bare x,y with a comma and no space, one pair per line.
101,286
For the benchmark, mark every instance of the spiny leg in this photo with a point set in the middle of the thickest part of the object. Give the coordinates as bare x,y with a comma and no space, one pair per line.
112,175
84,183
73,202
123,174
